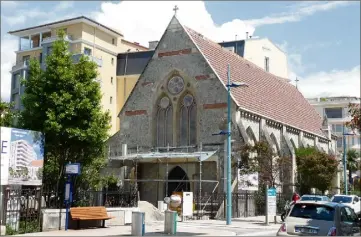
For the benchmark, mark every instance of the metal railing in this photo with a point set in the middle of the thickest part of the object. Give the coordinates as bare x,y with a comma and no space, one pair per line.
54,38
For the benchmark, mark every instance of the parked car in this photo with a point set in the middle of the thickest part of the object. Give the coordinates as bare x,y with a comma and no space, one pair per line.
310,197
352,201
321,219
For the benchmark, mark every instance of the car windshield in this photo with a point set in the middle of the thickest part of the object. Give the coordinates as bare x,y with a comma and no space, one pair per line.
311,198
313,211
343,199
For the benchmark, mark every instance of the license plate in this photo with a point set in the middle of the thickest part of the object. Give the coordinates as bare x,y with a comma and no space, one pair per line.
305,230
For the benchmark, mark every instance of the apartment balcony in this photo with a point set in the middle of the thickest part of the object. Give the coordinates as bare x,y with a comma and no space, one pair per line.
23,64
48,40
98,61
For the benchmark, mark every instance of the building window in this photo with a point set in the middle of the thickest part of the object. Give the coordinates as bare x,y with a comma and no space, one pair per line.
112,61
353,141
359,141
113,41
48,50
87,51
339,142
16,81
111,80
41,58
333,112
266,64
338,128
187,121
111,99
164,122
26,59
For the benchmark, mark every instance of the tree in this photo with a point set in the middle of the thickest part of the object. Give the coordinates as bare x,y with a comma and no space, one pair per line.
355,112
261,159
8,115
316,169
64,103
352,162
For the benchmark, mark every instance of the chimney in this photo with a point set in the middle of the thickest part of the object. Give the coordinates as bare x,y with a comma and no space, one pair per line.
153,44
246,35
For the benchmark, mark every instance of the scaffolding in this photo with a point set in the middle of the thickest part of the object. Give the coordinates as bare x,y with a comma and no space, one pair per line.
165,155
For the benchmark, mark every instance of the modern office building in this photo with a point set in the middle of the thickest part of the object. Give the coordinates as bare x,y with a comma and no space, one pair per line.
85,36
336,111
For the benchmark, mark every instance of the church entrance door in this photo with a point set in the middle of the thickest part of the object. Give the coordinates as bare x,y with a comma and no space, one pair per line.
177,173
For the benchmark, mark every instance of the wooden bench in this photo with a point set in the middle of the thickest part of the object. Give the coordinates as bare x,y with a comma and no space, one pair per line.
89,213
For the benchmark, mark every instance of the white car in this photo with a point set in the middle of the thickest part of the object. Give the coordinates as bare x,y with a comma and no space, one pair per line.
352,201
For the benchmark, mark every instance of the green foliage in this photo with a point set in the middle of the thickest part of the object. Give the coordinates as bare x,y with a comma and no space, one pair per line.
355,112
315,169
31,226
8,116
64,103
261,159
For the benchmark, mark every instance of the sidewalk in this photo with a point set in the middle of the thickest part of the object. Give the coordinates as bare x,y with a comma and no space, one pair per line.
240,227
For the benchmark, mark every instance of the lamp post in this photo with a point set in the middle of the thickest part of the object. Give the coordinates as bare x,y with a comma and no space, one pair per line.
344,158
228,133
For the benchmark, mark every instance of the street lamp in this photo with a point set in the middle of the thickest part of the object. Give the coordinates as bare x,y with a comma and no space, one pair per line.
228,133
344,157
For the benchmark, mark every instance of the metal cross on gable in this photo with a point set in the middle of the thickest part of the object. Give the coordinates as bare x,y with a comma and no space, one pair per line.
175,9
297,82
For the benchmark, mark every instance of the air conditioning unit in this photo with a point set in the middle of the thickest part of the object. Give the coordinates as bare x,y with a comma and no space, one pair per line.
231,48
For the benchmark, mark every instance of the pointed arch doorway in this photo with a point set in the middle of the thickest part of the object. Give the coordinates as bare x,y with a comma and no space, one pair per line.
177,173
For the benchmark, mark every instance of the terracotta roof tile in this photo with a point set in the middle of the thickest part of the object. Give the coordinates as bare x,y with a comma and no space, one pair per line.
267,94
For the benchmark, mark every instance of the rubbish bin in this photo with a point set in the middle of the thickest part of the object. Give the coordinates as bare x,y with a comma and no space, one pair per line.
170,222
138,223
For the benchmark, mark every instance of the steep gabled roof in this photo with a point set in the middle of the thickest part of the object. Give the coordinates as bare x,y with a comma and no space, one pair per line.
267,95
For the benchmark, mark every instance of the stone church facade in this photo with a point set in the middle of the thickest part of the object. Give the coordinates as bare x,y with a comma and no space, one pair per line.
180,100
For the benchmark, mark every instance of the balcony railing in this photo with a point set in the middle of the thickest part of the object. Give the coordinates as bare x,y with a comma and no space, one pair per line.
23,64
54,38
98,61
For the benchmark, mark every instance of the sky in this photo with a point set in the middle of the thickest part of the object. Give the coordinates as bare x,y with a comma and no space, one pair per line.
320,38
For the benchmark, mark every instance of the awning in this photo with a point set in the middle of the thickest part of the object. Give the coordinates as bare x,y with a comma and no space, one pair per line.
170,156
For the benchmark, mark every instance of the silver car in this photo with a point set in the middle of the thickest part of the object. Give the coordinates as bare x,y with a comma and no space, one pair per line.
320,219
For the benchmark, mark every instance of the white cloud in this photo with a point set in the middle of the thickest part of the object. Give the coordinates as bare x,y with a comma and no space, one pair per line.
63,5
9,4
8,46
321,84
297,12
23,15
333,83
138,22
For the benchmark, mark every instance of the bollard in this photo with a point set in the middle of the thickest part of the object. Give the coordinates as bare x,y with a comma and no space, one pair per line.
138,223
170,222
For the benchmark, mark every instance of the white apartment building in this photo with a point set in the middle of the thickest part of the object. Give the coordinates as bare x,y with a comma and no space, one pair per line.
22,155
336,110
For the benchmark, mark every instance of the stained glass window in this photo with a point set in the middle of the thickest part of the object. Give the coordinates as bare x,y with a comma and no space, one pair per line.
164,123
188,121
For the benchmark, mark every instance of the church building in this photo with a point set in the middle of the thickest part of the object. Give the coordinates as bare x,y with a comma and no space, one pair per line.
169,121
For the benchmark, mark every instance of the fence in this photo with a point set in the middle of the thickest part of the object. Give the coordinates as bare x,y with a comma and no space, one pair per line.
244,204
22,207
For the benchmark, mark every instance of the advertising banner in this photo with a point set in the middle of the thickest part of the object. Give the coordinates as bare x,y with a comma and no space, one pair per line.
22,157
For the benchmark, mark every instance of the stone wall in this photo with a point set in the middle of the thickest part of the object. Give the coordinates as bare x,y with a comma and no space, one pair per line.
54,219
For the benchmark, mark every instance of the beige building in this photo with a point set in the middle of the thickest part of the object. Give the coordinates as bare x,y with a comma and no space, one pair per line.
85,36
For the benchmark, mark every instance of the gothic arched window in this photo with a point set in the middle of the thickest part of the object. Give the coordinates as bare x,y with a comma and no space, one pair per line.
164,123
188,121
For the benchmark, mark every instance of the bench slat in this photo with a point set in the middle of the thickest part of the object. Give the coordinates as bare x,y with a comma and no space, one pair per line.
89,213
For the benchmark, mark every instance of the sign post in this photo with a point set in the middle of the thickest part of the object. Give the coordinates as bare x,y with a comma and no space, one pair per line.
271,203
71,169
